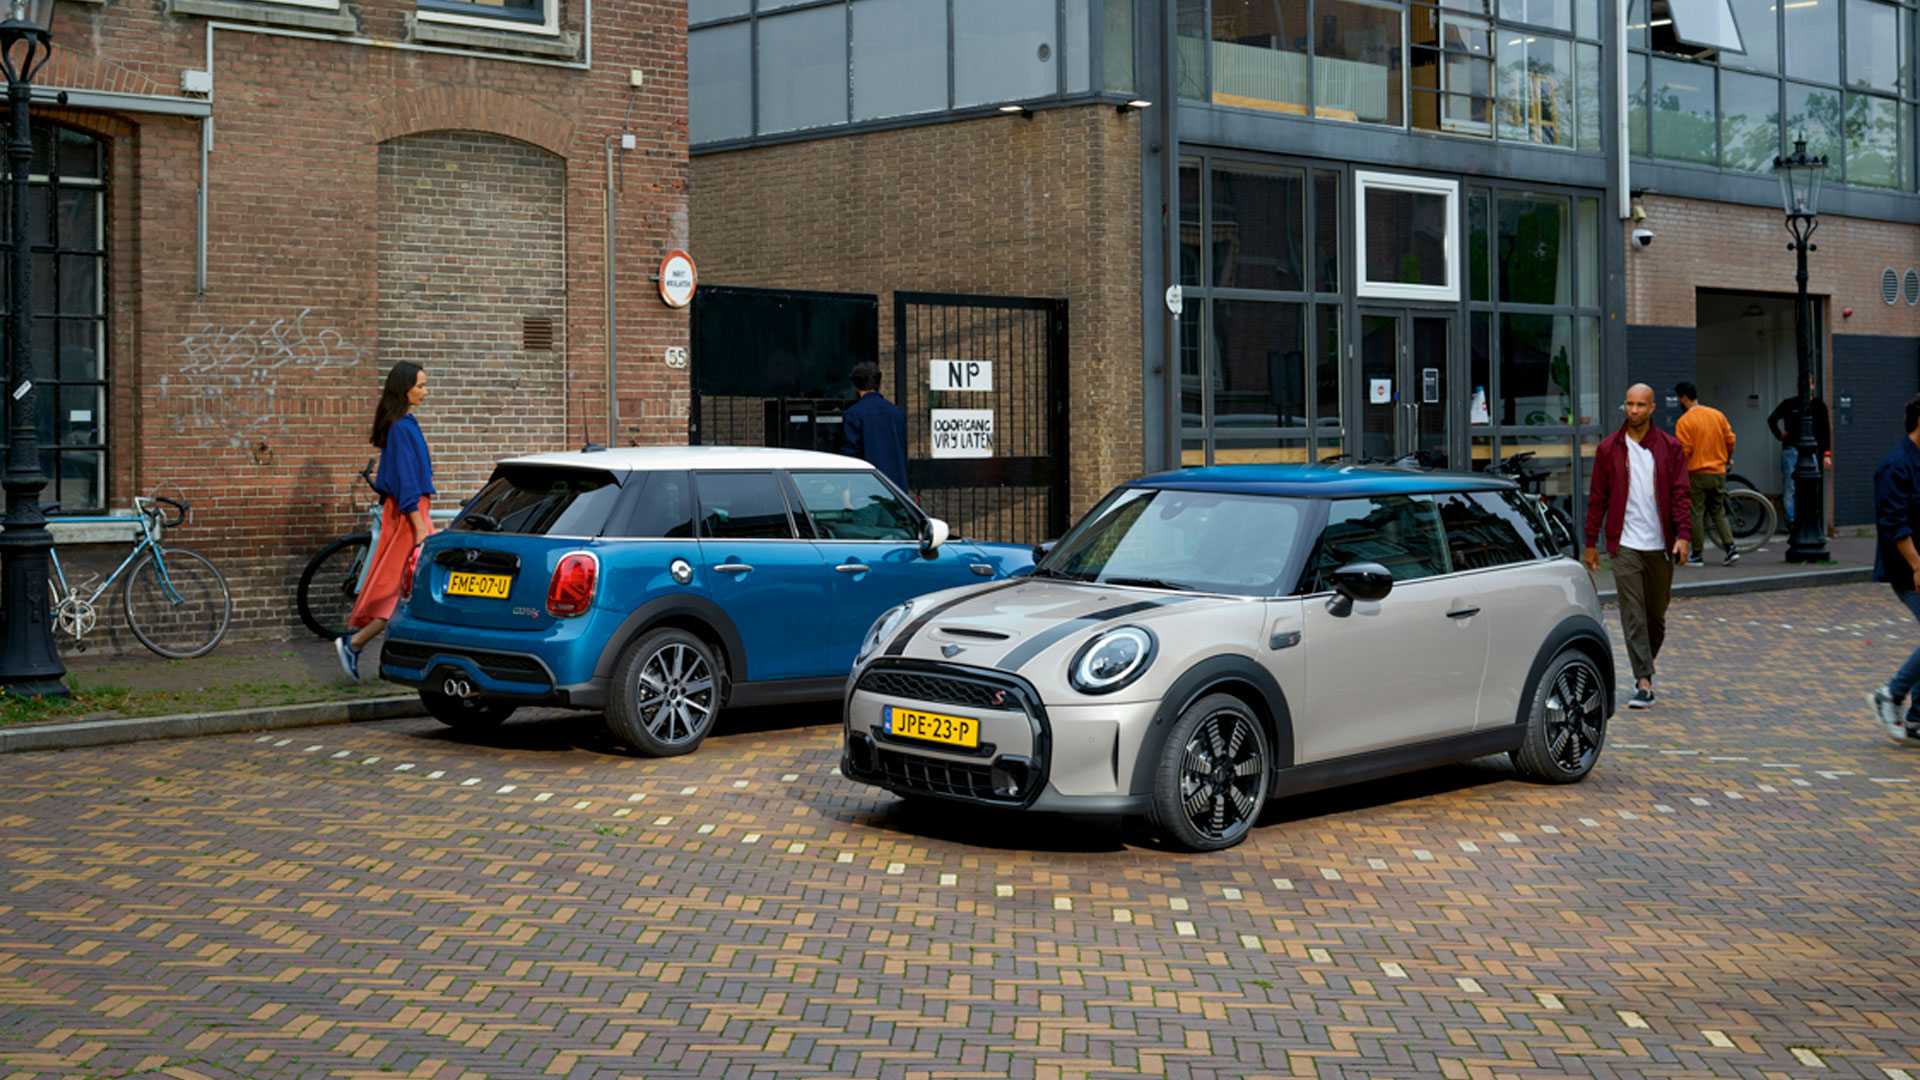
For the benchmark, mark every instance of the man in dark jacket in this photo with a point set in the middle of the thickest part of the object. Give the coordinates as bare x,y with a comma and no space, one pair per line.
1896,505
875,428
1640,493
1784,422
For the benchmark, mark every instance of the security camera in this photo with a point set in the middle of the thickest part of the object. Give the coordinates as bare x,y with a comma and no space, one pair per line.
1642,238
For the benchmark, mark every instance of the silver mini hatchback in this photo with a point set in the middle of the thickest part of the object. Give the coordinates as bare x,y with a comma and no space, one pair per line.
1205,639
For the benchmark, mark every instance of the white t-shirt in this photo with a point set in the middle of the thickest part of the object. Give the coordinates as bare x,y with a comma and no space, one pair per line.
1640,526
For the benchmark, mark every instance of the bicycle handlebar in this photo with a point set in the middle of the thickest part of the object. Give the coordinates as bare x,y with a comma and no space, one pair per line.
366,474
160,516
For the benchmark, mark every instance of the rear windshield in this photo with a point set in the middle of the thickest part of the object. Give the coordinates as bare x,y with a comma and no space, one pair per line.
540,500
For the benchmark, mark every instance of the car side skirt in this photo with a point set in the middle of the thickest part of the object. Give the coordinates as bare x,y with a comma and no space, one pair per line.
1393,761
785,692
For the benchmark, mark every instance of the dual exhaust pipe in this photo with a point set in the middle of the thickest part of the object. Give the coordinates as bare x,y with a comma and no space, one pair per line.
457,688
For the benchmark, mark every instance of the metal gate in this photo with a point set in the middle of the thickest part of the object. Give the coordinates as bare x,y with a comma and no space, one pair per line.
1018,494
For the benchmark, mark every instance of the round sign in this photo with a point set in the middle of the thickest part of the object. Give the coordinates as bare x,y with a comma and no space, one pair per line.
1175,300
677,278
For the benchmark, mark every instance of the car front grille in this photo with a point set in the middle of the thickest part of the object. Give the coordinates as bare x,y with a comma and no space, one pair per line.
507,667
919,686
910,772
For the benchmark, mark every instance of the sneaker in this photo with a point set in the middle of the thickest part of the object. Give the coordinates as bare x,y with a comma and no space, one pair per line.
1640,699
1886,709
349,657
1733,556
1696,559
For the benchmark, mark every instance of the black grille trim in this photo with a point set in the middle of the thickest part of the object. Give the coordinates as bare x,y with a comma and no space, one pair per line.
903,771
934,776
945,690
507,667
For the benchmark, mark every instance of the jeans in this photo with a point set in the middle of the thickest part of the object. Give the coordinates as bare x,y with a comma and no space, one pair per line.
1908,676
1789,460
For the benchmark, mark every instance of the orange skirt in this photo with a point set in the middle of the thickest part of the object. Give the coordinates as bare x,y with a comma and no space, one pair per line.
381,593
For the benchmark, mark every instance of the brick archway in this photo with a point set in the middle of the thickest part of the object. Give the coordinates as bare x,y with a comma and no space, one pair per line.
469,108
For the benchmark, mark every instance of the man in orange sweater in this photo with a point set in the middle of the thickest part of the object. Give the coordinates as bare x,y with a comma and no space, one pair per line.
1708,440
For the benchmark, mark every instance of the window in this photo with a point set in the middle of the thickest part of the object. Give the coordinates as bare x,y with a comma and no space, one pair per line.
803,69
1399,532
67,209
1452,71
742,506
1482,531
1707,24
529,16
899,57
542,501
855,506
663,507
720,83
1408,236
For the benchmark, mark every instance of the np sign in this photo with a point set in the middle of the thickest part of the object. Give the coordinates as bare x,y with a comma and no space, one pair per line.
960,375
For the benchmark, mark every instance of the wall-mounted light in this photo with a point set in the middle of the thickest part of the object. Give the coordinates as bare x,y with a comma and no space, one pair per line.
1126,107
1025,113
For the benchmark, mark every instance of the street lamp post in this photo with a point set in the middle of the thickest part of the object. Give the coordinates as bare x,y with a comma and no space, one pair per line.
1800,196
29,663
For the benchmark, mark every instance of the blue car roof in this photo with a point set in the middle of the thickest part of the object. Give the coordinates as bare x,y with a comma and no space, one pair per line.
1321,481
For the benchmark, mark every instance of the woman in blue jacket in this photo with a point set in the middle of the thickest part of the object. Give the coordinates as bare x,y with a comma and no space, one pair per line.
405,484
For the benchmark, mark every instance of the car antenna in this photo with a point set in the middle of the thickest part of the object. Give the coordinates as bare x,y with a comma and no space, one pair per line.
586,434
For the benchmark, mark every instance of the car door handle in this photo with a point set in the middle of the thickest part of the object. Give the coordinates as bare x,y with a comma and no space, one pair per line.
853,568
1463,613
982,569
733,568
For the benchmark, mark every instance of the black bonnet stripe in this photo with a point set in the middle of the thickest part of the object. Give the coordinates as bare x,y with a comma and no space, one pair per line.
904,637
1033,646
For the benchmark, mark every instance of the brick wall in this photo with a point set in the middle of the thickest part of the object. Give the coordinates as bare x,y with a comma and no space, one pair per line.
253,397
1047,207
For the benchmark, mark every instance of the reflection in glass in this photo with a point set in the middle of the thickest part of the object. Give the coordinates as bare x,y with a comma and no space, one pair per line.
1536,88
81,344
803,69
1379,361
1116,47
1192,400
1076,52
1814,113
1873,46
1536,372
1535,257
899,57
1479,241
1759,34
1588,251
1554,14
1480,408
78,155
1258,369
1326,373
1270,450
1258,53
79,415
1326,230
1259,221
1356,66
1451,72
1191,16
1406,237
1682,111
1813,40
1189,224
997,51
1587,107
1705,24
1873,141
1749,121
1588,381
1637,105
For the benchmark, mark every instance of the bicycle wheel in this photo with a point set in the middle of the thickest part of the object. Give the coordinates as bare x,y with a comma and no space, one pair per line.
331,583
1751,515
177,605
1560,526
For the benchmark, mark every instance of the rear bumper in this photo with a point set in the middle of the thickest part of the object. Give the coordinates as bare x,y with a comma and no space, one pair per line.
501,674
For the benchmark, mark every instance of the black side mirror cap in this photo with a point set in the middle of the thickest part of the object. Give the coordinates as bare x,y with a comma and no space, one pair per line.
1040,549
1358,581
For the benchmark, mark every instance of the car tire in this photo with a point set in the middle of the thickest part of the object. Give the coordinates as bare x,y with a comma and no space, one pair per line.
1566,721
666,693
1211,781
466,713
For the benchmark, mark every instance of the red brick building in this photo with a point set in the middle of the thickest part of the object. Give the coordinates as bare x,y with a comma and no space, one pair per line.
258,207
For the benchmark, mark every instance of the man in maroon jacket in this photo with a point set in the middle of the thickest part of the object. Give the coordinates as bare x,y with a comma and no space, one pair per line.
1640,493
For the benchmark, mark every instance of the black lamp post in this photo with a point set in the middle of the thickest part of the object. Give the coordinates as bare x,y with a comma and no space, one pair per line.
1800,196
29,663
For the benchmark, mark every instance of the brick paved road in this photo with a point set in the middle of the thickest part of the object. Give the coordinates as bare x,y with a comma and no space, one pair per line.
1736,892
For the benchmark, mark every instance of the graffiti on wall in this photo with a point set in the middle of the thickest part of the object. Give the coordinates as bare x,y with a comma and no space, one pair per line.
231,379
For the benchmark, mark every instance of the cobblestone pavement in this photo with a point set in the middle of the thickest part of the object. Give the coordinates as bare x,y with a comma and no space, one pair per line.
1735,892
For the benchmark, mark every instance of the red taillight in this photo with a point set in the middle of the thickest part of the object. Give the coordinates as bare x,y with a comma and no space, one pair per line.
406,576
572,590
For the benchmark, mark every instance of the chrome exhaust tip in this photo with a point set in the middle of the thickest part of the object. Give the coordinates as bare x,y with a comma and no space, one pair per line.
459,688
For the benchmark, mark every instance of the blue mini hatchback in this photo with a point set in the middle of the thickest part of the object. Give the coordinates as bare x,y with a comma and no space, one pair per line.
664,584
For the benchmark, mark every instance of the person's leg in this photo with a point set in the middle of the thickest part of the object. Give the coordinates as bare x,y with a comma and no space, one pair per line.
1697,496
1659,577
1789,459
1716,509
1630,583
1908,677
367,633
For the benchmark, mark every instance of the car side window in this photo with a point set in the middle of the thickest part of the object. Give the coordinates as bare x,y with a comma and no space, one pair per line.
1400,532
1527,517
1481,531
664,509
742,506
855,506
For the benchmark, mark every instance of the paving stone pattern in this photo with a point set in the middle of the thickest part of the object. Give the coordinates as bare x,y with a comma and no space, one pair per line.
1732,894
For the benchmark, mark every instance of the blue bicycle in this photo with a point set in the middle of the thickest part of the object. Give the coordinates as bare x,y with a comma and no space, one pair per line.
175,600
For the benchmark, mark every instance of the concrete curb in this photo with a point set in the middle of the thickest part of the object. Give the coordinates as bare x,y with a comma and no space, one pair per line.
86,733
1804,579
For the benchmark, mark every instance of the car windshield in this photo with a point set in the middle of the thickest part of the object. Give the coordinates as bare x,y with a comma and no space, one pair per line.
533,500
1203,541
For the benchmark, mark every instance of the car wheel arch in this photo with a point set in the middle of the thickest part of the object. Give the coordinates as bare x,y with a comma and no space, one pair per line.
1577,632
1240,676
700,617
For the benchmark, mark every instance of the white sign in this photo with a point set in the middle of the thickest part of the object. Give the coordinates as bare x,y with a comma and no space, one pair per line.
677,278
962,433
676,356
1175,301
1379,391
960,374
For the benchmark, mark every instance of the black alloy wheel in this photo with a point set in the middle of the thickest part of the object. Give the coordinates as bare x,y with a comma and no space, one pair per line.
1567,724
1212,778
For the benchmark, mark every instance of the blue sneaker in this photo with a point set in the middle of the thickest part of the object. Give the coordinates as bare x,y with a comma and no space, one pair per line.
349,657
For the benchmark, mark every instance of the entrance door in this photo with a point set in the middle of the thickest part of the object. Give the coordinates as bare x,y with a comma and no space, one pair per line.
1405,371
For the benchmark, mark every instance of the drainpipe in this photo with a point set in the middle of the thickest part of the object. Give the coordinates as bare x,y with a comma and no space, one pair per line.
613,401
1170,217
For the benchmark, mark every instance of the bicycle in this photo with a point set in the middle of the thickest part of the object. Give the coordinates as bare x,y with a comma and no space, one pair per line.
1533,483
331,582
1750,513
175,600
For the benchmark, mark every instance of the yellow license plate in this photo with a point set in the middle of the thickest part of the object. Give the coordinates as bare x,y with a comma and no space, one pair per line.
933,727
490,586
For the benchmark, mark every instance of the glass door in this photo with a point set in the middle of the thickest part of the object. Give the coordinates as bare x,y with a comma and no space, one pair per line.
1405,371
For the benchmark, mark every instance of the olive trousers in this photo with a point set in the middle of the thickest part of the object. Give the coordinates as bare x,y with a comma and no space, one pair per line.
1643,580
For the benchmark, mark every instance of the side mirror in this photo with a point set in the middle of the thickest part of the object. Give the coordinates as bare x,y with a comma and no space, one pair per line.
1040,549
1358,581
932,535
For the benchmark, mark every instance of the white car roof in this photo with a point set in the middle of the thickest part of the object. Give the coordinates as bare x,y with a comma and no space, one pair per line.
638,458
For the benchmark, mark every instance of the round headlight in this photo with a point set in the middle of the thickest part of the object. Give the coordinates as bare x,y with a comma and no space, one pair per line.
882,629
1112,660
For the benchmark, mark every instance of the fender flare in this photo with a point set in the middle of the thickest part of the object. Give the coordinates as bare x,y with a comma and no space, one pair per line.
1197,682
693,607
1576,628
